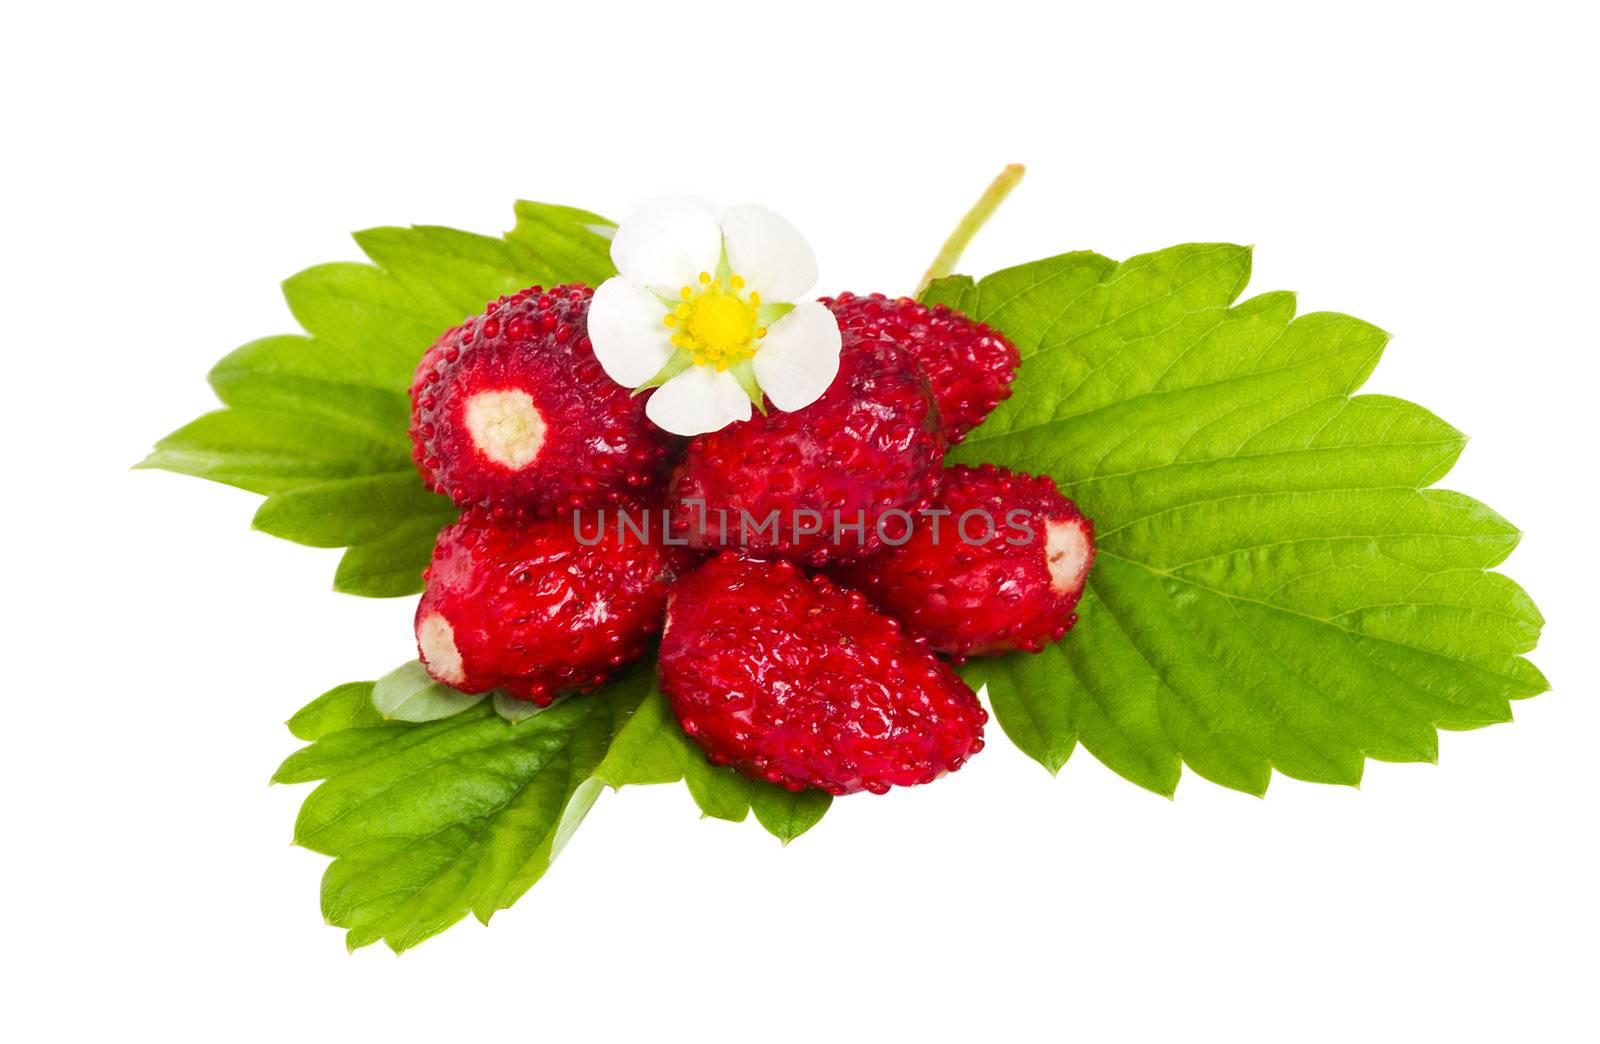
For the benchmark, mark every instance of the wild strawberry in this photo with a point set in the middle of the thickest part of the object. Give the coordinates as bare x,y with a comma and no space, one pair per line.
969,365
527,607
1000,567
814,484
799,682
430,361
516,410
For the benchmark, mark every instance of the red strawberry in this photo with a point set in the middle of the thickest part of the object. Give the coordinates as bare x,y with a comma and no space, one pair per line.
779,483
430,361
516,410
969,365
1003,570
797,681
525,606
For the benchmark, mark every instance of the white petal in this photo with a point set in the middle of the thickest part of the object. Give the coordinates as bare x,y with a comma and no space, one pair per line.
799,357
629,337
666,243
771,254
698,400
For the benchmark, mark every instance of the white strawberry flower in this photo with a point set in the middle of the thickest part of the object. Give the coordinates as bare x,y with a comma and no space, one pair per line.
703,311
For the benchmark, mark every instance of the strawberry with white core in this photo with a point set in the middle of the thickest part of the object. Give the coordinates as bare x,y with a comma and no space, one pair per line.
512,408
525,606
1003,572
506,426
436,641
1068,552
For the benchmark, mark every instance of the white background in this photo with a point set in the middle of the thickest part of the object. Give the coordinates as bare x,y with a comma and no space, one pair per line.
1429,169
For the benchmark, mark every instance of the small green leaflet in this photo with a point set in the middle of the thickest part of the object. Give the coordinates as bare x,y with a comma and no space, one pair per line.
409,693
1277,585
317,421
430,821
513,709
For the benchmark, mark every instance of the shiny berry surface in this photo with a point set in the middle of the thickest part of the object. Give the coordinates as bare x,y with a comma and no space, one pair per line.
512,408
986,593
870,444
969,365
425,368
524,605
797,681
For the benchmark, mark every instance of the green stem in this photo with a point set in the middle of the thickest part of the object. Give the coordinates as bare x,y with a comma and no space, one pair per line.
973,220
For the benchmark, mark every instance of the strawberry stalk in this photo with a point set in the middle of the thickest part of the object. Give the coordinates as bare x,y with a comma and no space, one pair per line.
949,254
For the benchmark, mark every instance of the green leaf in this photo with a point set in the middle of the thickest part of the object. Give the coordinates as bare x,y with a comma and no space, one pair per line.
428,822
391,565
958,292
409,693
651,748
1277,585
1042,728
568,245
308,378
513,709
449,271
352,511
369,313
788,814
646,750
267,452
342,707
318,421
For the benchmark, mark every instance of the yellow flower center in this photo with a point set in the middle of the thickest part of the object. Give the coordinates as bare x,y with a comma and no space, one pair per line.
718,325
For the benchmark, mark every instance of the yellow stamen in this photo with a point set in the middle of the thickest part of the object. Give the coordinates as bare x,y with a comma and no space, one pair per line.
716,324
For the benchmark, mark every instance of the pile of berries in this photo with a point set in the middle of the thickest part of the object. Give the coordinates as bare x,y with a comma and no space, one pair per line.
804,571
